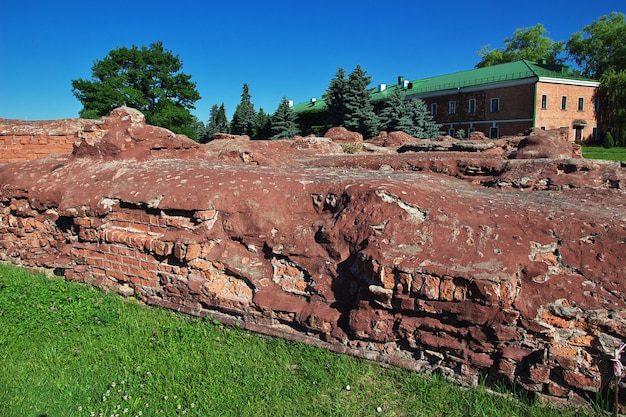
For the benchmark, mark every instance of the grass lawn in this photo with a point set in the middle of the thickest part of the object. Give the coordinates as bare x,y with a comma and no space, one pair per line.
600,152
68,349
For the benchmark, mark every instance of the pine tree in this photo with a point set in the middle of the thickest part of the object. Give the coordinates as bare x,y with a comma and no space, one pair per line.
243,118
360,115
284,124
334,99
262,125
391,114
417,120
221,122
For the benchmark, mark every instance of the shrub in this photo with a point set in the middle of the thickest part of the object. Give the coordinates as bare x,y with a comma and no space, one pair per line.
608,140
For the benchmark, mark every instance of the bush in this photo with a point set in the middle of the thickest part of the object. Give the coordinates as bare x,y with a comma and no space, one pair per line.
608,141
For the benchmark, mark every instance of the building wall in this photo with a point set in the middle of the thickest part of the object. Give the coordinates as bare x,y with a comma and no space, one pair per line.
554,117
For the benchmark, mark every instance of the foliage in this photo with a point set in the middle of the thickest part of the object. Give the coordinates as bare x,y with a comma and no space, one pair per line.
284,125
334,97
613,93
526,43
608,140
352,147
134,360
244,116
460,134
218,123
147,79
409,116
262,125
600,46
359,110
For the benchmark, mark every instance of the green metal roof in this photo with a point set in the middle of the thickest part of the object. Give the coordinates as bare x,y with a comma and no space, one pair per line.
511,71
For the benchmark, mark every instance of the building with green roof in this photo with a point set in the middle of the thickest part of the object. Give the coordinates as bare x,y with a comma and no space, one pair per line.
500,100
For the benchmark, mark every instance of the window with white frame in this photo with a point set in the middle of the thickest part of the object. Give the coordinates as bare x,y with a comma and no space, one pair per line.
452,107
564,103
433,109
471,105
581,103
494,105
544,101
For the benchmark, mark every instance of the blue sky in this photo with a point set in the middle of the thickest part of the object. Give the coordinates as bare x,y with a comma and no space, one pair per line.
280,48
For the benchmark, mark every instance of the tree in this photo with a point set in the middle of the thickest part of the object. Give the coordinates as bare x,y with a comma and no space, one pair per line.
526,43
600,52
262,125
334,97
218,123
147,79
284,124
359,110
409,116
417,120
243,118
601,46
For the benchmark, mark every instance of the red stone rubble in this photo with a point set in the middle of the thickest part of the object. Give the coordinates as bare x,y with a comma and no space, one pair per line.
474,259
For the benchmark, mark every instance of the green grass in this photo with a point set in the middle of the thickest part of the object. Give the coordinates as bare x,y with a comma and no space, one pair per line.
600,152
68,349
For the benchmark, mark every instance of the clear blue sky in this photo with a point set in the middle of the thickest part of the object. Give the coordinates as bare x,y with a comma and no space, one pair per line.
280,48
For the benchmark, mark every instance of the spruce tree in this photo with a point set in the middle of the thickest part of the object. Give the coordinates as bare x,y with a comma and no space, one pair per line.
394,108
417,120
217,123
221,122
360,115
262,125
243,118
334,99
284,124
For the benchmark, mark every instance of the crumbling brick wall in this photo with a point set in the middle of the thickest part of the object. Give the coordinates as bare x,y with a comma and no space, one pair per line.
29,140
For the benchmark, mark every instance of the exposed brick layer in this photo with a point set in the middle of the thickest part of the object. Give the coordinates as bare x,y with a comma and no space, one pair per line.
476,265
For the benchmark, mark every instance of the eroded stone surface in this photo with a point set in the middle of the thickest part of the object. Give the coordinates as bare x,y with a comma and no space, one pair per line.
471,262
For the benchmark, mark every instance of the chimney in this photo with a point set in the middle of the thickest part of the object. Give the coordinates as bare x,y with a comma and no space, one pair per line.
382,87
400,80
290,103
313,100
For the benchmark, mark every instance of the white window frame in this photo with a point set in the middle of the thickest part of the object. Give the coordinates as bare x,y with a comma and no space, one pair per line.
563,102
471,105
433,109
581,104
544,101
494,104
452,107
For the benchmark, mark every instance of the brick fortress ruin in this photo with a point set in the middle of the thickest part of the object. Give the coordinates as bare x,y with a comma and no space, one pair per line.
503,258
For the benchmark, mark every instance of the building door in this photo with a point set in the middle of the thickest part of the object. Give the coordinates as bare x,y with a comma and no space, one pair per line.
579,134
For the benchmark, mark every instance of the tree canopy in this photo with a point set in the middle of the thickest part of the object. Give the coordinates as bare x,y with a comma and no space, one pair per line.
334,97
244,116
284,124
527,43
147,79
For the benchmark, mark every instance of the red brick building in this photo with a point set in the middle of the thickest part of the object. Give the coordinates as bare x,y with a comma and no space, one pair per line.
510,98
500,100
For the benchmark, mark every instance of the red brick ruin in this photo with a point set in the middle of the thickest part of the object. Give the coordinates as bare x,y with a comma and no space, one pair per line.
503,258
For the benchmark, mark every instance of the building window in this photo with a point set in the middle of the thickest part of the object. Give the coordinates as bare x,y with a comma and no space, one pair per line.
471,105
495,105
451,131
564,103
433,109
581,103
596,105
594,135
452,107
544,101
543,128
494,132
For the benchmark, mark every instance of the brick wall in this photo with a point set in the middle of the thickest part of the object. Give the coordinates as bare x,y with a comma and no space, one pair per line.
26,141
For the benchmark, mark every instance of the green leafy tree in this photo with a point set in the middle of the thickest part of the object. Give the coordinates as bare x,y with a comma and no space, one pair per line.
147,79
334,97
600,52
527,43
600,46
262,125
359,110
244,116
284,125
